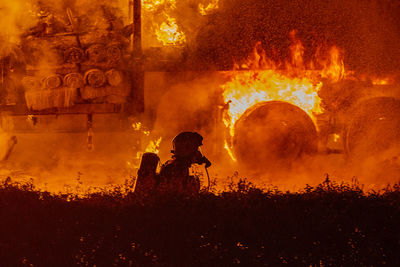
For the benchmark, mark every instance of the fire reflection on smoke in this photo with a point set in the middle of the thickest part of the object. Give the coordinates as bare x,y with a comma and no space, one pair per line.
210,102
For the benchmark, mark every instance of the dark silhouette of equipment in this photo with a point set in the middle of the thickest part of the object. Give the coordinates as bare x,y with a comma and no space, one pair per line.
174,174
148,179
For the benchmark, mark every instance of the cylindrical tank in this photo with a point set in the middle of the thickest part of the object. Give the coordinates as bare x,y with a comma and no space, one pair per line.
273,134
374,128
148,164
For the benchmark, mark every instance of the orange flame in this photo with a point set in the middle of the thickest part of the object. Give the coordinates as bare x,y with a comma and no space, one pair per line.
154,146
382,80
251,87
297,53
159,20
206,9
139,127
152,5
169,34
263,81
333,68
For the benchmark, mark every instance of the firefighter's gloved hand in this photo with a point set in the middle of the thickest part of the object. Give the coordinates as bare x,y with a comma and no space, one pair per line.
206,161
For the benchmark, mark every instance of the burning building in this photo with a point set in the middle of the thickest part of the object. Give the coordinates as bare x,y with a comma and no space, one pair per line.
270,85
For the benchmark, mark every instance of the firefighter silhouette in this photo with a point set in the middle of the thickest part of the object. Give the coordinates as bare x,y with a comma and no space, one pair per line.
174,174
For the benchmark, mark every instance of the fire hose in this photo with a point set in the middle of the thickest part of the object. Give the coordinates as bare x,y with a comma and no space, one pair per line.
207,164
208,178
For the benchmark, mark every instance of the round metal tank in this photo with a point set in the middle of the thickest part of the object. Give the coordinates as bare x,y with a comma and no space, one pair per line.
273,134
374,128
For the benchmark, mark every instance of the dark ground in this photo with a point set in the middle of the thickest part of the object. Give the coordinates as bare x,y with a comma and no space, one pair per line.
328,225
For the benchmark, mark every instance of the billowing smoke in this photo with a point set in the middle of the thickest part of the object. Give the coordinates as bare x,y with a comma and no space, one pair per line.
15,18
368,31
216,34
34,36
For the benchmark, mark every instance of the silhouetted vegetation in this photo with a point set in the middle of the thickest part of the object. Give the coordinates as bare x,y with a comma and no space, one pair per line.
327,225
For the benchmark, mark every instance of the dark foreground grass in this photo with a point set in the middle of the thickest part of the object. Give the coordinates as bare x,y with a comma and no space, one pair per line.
327,225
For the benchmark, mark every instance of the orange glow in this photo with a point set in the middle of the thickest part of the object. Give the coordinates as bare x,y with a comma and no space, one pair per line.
169,34
160,21
336,138
251,87
297,53
163,22
333,68
264,80
229,150
12,24
152,5
382,81
206,9
139,127
154,146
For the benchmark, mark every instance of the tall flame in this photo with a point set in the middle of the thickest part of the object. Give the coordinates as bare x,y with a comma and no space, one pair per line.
333,68
265,80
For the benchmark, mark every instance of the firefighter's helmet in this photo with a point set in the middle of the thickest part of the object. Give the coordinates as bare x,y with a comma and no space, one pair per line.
186,144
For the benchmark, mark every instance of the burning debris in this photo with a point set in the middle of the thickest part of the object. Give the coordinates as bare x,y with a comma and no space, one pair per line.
174,22
264,80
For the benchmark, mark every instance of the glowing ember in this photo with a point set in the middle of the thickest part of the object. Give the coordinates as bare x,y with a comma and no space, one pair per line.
336,137
139,127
